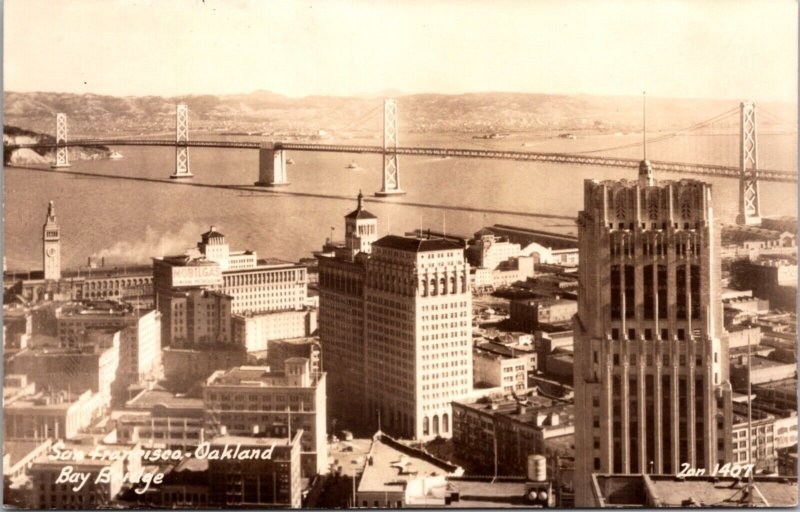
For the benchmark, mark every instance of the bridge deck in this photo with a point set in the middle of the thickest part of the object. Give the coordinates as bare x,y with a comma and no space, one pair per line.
565,158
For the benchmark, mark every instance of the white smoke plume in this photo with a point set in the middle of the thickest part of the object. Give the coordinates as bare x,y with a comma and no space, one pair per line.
154,244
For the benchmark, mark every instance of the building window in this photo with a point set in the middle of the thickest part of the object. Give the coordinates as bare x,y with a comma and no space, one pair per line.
630,287
616,296
649,293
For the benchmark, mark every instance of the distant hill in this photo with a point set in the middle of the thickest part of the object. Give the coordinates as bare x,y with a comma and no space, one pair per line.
269,113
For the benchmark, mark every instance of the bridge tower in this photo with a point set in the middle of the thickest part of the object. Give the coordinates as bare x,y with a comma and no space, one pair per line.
391,166
749,200
271,165
62,151
181,140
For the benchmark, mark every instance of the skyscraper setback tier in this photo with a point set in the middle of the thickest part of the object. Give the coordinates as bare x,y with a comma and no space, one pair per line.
651,354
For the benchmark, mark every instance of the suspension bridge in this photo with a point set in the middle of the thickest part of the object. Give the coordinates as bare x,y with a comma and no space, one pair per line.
273,170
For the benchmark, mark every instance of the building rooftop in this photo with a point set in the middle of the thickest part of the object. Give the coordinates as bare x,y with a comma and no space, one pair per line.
536,411
546,238
505,350
488,493
185,260
265,442
104,308
212,233
758,362
735,235
548,301
784,386
769,261
76,353
257,376
148,399
703,491
61,400
389,466
771,492
408,244
359,212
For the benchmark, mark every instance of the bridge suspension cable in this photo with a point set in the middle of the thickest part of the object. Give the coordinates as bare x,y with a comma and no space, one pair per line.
363,117
661,138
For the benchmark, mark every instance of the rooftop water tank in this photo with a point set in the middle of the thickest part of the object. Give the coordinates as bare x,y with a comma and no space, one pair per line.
537,468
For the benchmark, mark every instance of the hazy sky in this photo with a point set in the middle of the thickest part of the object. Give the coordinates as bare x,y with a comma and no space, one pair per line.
733,49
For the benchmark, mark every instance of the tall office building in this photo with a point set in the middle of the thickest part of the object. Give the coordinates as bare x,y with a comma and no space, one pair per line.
342,270
418,306
395,328
651,354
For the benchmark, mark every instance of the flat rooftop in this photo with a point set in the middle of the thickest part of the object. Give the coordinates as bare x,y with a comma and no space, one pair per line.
703,491
485,493
45,402
770,492
549,301
759,363
100,309
150,398
264,442
734,234
785,385
535,407
392,467
504,350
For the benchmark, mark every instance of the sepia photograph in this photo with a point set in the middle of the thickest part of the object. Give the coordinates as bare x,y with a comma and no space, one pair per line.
340,254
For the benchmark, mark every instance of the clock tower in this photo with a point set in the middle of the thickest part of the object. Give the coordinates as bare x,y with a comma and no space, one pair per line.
51,245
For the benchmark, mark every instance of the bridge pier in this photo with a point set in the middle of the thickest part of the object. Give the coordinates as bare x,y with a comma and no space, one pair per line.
62,152
391,166
181,140
271,165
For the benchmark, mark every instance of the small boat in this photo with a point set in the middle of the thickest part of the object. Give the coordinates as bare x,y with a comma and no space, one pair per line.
115,156
352,165
289,161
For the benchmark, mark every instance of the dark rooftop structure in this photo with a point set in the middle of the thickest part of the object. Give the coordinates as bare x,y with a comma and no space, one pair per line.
401,243
211,233
359,212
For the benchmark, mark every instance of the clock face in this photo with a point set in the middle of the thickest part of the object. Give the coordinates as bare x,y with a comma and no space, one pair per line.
51,251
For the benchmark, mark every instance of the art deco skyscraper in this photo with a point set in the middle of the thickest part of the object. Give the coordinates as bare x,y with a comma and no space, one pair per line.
651,354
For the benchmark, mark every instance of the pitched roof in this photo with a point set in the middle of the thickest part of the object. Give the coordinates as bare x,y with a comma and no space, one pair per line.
212,233
408,244
358,213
